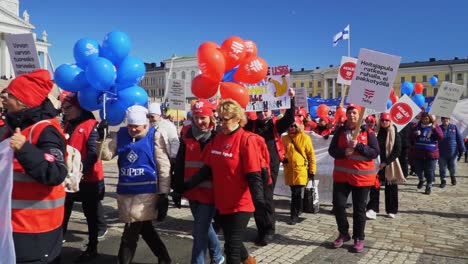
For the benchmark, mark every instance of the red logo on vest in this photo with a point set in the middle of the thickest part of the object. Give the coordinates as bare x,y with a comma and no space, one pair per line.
401,113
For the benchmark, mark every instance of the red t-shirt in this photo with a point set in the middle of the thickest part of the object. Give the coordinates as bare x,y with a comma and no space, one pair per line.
230,165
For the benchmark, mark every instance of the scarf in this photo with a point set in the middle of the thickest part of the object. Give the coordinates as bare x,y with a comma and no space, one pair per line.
393,172
201,135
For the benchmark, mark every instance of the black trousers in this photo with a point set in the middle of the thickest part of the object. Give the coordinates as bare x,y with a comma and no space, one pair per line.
296,200
128,243
403,159
265,219
359,195
90,195
234,227
391,199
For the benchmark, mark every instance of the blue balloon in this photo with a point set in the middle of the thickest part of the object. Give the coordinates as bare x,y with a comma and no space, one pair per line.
101,74
419,99
313,111
115,47
115,113
229,75
130,71
85,50
428,109
433,81
70,77
90,99
133,95
389,103
407,88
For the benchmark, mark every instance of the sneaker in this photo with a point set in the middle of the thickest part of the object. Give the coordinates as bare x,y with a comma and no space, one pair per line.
371,214
341,240
89,254
358,246
442,184
260,241
220,261
392,215
428,191
453,180
102,234
420,184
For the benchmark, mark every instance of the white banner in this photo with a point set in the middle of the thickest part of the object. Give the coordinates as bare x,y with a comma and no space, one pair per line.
7,247
23,53
373,79
346,71
446,99
176,95
403,111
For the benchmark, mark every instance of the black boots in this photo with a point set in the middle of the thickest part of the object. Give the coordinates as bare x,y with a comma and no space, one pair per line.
89,254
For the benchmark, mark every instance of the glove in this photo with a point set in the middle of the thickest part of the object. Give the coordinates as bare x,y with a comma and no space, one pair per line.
177,199
311,176
460,154
162,206
102,129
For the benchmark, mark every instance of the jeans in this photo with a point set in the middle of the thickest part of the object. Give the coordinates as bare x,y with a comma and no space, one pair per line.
234,227
391,199
451,163
359,195
204,235
425,169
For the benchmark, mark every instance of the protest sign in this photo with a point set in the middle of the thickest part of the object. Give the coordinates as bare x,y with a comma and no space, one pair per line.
176,94
7,248
346,71
301,98
23,53
446,99
403,111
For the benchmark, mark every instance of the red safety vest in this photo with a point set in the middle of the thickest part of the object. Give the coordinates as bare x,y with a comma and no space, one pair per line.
276,135
36,207
356,169
79,140
204,191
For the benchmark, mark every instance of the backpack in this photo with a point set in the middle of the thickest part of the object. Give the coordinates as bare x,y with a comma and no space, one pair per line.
264,156
74,165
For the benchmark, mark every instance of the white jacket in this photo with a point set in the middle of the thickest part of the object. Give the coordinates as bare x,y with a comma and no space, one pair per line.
170,129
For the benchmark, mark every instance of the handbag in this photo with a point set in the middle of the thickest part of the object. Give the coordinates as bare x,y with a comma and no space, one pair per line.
310,201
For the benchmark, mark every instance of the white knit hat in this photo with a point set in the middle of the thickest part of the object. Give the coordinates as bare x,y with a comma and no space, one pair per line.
137,115
155,108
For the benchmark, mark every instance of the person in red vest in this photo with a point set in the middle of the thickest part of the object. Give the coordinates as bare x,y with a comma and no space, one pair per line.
194,138
80,127
39,168
354,172
270,128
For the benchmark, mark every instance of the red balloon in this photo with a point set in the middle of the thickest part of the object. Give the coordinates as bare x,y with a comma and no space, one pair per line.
211,61
394,98
252,71
204,87
418,88
340,111
236,92
392,92
322,110
250,50
234,51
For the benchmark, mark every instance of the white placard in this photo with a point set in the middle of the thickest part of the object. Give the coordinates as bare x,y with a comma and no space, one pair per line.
7,247
301,98
446,99
23,53
346,71
373,79
403,111
176,94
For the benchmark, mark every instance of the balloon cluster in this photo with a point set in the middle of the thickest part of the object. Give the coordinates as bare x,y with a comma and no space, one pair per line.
409,88
228,67
104,76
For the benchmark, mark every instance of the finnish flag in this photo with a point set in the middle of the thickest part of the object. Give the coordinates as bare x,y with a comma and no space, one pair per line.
341,35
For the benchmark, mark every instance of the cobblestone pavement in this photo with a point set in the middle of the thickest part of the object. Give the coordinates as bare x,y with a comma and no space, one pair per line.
428,229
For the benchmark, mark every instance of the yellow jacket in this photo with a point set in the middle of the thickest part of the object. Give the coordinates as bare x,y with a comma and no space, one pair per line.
296,171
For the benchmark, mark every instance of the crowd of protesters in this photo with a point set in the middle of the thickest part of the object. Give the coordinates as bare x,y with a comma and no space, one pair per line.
214,162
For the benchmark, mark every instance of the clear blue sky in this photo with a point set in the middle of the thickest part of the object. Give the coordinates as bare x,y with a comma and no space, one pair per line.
295,32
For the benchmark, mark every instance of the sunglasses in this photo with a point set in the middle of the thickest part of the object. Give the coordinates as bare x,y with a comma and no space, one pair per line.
293,125
384,120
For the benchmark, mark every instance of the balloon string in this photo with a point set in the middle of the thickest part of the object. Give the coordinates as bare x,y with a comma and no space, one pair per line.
104,99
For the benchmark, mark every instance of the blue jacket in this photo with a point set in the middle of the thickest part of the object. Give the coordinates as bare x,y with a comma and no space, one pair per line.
452,142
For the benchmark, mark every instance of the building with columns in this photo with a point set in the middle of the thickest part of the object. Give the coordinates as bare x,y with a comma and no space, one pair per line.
12,23
322,82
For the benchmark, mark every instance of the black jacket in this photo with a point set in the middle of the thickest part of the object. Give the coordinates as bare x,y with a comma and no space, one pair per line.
40,247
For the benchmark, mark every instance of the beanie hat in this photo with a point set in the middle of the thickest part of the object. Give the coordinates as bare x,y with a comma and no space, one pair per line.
370,119
31,88
298,120
353,106
385,116
202,107
155,108
136,115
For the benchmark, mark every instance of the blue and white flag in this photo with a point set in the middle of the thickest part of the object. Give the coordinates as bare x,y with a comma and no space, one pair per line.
341,35
7,248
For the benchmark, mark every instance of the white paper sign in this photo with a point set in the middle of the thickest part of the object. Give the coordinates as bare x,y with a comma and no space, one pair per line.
176,94
301,98
23,53
373,79
403,111
7,248
346,71
446,99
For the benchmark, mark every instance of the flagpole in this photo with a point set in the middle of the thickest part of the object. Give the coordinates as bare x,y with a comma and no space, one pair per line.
349,41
